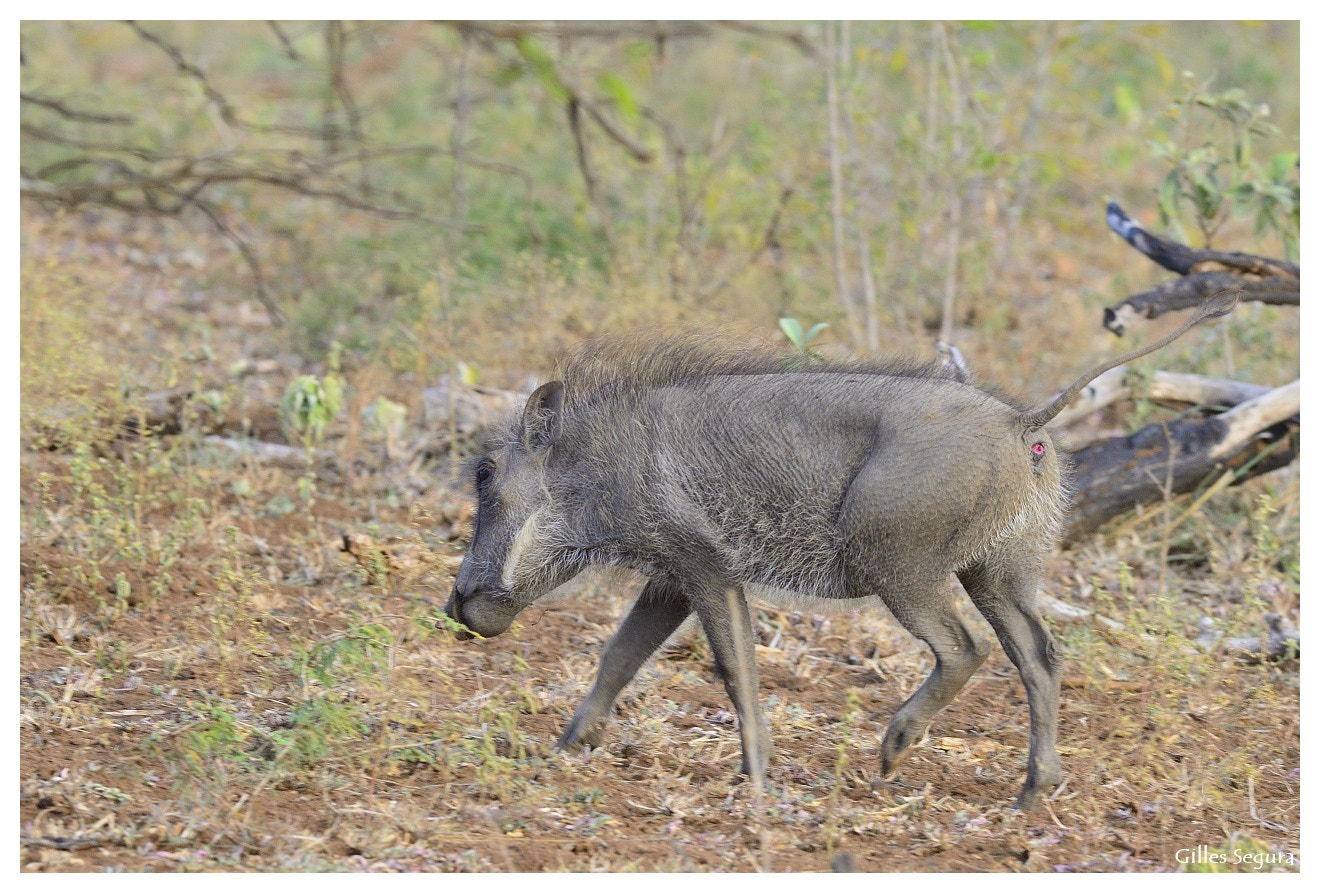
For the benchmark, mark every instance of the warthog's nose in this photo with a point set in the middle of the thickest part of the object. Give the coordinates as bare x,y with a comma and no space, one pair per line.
453,613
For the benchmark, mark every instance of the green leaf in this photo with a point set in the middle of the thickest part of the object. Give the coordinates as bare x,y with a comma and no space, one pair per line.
538,58
1169,195
792,330
1282,165
1126,103
507,75
816,330
616,89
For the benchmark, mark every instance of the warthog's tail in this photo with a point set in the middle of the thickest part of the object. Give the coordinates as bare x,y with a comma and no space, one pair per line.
1219,304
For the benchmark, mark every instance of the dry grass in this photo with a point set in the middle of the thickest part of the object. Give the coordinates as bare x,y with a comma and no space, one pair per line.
213,678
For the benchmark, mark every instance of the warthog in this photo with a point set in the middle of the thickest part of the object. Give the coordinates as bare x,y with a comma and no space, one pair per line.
714,470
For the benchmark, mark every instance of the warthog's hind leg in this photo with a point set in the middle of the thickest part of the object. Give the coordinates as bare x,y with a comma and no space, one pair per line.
1005,592
928,612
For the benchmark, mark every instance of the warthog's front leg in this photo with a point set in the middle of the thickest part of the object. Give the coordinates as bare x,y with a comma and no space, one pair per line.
728,625
657,612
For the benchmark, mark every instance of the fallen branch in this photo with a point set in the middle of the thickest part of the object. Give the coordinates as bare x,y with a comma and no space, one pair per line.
1120,383
1244,422
66,843
1190,291
1203,273
459,413
270,453
1119,474
1184,260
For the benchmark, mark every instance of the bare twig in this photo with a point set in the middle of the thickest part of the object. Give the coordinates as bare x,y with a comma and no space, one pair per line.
65,111
249,257
217,98
954,192
842,291
769,244
336,40
796,38
574,111
285,42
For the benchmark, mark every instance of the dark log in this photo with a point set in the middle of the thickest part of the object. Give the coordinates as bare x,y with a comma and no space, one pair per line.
1260,433
1190,291
1184,260
1122,473
1203,272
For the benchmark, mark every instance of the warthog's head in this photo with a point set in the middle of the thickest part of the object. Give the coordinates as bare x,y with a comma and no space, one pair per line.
512,560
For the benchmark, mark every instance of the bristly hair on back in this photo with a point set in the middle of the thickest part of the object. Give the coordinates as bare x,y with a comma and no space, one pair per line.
622,368
617,365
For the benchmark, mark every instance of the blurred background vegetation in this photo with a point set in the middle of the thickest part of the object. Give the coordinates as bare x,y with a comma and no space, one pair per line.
485,193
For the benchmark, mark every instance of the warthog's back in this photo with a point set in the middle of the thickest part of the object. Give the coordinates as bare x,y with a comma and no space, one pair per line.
773,466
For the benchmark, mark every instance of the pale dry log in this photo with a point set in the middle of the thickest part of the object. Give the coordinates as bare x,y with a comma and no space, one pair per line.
1245,422
1201,390
458,414
1108,388
266,453
1164,387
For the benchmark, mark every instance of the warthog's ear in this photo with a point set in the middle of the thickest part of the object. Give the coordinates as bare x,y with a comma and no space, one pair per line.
541,418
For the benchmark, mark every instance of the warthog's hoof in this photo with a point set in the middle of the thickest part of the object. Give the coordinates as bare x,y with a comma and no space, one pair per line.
745,769
897,745
581,734
1038,787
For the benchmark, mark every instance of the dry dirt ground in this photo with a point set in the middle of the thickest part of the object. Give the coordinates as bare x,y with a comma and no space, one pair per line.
230,663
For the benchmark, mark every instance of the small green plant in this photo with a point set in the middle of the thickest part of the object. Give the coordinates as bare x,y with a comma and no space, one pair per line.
234,626
1215,171
390,419
850,720
801,338
309,405
216,735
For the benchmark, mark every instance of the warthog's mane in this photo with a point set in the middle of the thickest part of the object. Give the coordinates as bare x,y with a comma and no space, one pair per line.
620,370
624,365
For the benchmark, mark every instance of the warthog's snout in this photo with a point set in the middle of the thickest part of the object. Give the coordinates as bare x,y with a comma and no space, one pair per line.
480,611
453,613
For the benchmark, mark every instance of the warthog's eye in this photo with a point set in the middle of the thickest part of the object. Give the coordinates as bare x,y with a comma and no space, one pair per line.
1038,448
485,471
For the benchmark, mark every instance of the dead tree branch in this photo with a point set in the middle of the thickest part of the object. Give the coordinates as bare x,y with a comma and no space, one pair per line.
82,165
73,114
1120,474
217,98
287,44
1236,430
1120,383
1203,273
